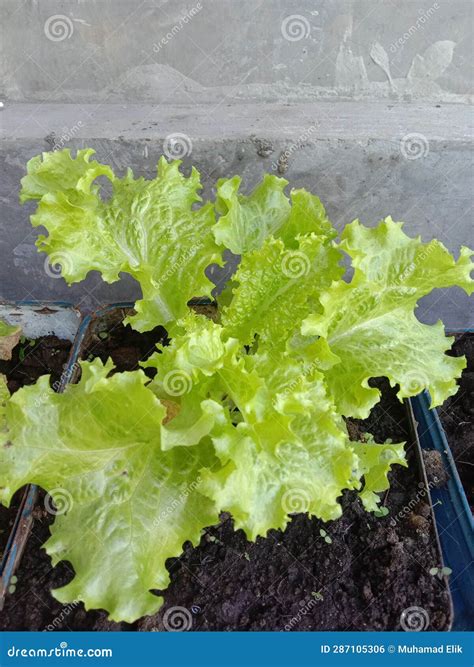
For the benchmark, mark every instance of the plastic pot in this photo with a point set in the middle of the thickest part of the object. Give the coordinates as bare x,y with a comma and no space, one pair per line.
453,515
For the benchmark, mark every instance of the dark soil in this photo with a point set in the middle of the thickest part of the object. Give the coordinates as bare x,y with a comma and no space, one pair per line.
30,360
109,338
373,569
457,417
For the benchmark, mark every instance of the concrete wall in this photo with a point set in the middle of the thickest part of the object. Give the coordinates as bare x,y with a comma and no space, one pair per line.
364,103
201,50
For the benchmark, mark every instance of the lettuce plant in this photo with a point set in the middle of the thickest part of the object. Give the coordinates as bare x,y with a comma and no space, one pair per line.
245,413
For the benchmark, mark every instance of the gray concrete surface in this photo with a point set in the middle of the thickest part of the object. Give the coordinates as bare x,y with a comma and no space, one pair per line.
412,161
197,51
365,102
42,321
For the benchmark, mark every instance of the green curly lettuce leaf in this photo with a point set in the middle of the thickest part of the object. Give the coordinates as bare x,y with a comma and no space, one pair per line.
369,325
386,256
123,505
282,446
375,462
271,407
150,229
246,221
290,453
278,286
187,371
199,350
307,216
58,171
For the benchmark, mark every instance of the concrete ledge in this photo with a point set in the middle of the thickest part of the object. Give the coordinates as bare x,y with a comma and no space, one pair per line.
343,120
